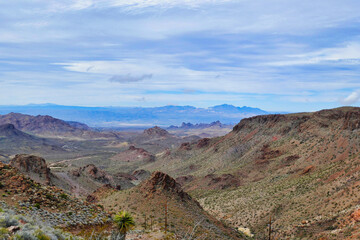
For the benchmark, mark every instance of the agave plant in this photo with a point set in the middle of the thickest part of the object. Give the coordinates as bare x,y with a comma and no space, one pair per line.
124,222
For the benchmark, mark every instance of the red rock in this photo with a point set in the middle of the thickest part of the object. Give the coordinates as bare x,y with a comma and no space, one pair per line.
355,216
307,169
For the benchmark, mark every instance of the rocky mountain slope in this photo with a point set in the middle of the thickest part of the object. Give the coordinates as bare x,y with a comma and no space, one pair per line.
52,207
80,182
301,169
48,203
159,194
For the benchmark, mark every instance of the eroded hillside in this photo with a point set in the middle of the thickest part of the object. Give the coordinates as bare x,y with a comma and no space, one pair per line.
301,169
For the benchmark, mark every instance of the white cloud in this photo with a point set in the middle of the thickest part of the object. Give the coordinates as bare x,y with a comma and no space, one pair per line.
351,99
348,54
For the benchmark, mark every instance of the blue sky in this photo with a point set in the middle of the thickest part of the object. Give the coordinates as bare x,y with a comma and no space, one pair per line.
278,55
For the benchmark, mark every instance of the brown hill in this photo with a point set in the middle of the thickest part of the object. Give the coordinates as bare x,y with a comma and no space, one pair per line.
149,200
155,132
47,126
156,140
13,141
302,169
129,160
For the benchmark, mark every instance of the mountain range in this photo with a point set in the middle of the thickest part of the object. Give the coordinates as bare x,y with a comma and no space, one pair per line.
140,117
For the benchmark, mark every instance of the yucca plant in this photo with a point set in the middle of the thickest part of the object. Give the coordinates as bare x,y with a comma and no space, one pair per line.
124,222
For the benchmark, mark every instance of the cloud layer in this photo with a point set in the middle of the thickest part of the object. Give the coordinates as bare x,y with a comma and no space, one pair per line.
274,54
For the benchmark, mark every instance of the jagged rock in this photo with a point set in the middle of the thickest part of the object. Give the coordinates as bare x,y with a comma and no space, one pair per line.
92,171
33,166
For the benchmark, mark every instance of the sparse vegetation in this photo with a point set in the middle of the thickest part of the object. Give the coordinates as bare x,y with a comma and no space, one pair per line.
124,222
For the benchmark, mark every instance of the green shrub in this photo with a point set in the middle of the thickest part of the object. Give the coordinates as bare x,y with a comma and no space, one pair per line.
41,236
64,196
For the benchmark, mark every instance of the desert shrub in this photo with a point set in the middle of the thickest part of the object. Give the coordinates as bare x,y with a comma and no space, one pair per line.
4,233
33,229
64,196
37,205
40,235
7,220
49,196
1,185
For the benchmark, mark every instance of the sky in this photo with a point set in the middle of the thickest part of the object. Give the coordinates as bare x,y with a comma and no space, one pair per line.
277,55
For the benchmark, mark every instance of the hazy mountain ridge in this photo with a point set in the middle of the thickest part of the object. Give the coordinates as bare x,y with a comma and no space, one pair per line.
138,116
189,125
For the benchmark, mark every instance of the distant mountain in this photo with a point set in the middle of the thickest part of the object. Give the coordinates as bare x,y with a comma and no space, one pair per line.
199,126
232,109
47,126
130,117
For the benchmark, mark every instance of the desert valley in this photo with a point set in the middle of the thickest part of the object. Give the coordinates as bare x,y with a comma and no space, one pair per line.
179,120
300,170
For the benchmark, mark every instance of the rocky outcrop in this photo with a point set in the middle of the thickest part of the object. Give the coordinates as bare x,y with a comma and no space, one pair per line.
160,183
33,166
93,172
48,203
185,146
203,142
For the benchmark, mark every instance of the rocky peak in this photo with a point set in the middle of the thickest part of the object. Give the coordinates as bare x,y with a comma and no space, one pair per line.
160,182
156,132
33,166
